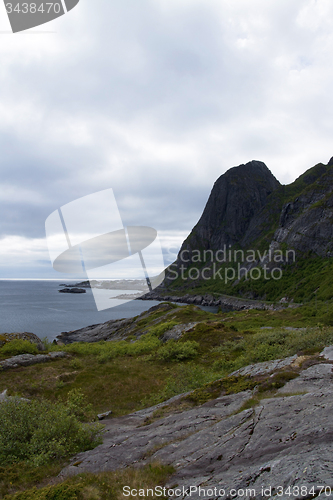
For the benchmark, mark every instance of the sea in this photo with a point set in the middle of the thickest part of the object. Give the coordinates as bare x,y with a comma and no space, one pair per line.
37,306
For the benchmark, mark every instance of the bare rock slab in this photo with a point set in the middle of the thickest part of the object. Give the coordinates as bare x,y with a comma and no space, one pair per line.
30,359
284,442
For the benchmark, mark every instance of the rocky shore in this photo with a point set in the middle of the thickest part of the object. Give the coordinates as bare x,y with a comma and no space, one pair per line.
225,302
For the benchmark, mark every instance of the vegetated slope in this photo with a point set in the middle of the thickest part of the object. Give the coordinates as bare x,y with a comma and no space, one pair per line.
231,418
237,440
252,221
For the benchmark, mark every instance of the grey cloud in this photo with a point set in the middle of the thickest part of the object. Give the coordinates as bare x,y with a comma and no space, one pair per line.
213,83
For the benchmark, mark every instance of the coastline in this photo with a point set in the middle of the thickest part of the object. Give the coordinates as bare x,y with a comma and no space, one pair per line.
226,302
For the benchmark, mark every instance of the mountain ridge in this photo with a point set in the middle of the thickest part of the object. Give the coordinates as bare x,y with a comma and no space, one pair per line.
249,210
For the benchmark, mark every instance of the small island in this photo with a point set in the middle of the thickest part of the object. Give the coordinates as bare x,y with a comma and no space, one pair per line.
72,290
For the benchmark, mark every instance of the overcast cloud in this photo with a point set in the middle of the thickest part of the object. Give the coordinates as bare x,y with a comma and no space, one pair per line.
156,99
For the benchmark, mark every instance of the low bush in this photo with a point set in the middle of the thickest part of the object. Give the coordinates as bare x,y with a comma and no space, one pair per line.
177,351
38,432
158,330
18,346
114,349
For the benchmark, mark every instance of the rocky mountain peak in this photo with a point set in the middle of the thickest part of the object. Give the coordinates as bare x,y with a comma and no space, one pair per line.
237,196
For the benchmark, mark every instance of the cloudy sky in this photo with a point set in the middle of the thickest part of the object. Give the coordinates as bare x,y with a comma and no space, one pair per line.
155,99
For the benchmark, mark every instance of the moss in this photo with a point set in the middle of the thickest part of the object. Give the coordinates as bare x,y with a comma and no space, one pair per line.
227,385
277,381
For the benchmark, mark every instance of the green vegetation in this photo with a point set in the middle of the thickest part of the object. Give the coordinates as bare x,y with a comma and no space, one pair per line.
139,371
18,346
304,280
177,351
158,330
37,432
103,486
270,344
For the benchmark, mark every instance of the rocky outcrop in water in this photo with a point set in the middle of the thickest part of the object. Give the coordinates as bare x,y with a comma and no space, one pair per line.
72,290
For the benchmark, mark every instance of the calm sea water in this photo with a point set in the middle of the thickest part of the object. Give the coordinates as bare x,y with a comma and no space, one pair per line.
38,307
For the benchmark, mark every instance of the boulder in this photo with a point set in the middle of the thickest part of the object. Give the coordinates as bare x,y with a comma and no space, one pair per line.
30,359
31,337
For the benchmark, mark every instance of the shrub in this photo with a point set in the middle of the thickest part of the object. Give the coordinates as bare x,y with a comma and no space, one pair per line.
38,432
177,351
18,346
158,330
106,351
145,344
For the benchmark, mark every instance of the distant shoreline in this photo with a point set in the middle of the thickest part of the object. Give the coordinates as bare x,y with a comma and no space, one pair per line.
226,302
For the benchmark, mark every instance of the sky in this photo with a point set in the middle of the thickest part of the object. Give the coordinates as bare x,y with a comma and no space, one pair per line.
155,99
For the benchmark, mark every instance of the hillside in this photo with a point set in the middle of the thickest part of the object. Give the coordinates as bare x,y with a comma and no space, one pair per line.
230,400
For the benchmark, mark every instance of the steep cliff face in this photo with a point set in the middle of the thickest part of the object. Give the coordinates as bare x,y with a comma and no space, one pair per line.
306,221
236,198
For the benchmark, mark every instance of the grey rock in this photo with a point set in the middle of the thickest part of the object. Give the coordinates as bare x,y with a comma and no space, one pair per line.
127,440
117,329
102,416
30,359
177,331
72,290
327,353
265,367
284,441
314,379
225,302
4,397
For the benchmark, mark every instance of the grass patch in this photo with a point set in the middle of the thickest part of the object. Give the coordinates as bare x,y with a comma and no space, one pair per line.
265,345
124,376
22,476
182,378
103,486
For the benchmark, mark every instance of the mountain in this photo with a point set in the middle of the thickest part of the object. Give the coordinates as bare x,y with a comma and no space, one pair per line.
236,198
254,234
